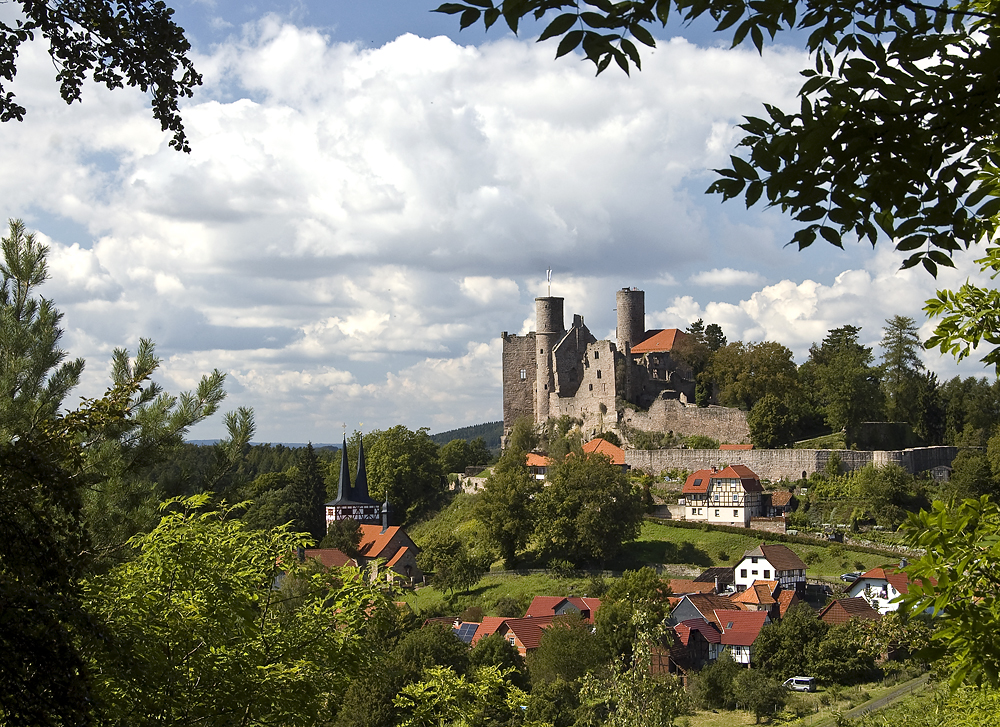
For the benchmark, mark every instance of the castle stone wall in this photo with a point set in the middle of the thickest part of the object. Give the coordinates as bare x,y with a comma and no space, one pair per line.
787,464
728,426
594,402
518,390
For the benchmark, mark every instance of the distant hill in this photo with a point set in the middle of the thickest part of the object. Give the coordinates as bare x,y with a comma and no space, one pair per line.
290,445
490,432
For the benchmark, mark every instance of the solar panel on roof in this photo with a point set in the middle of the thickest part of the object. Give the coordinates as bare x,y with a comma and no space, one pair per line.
466,631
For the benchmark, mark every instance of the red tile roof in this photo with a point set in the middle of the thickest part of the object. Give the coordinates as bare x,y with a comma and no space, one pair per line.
698,482
707,629
330,557
659,341
681,586
707,604
542,606
538,460
781,557
488,627
399,554
899,580
786,599
374,541
844,609
761,593
736,447
603,446
740,628
527,630
781,498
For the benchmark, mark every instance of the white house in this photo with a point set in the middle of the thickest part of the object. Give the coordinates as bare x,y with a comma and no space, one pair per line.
880,586
771,563
728,497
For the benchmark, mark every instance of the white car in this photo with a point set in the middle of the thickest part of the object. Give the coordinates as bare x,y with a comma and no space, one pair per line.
800,684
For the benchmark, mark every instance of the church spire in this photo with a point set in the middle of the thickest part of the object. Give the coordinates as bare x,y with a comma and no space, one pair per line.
361,478
344,483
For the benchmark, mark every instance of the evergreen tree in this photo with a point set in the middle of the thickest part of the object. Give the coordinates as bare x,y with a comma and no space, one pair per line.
714,337
34,374
309,495
848,384
901,369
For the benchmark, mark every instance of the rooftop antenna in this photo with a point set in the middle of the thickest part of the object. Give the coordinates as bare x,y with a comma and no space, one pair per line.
548,277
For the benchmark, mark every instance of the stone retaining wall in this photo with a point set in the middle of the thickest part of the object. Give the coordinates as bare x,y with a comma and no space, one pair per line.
786,464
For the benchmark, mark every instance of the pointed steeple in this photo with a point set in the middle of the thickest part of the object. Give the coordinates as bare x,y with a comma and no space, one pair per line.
344,483
361,478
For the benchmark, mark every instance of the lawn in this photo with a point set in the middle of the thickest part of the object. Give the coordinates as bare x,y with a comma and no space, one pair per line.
827,441
665,544
485,594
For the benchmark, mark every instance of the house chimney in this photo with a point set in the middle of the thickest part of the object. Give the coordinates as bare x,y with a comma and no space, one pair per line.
385,512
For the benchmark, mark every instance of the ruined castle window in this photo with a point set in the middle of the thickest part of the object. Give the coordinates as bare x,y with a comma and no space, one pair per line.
524,374
598,373
591,387
597,354
541,350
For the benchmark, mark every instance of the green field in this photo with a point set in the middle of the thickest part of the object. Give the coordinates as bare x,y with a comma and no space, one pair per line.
665,544
430,601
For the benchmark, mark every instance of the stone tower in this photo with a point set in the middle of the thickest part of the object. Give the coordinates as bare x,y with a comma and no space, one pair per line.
631,306
548,330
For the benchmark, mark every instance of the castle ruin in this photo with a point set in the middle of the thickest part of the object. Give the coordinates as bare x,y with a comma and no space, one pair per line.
631,383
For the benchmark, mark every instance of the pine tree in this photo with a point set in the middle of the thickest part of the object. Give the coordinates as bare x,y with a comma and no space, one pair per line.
309,495
901,368
34,375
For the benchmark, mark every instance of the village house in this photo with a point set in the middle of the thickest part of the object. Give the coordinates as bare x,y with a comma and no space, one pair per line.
391,546
542,606
699,605
740,630
727,497
880,587
843,610
767,596
613,452
771,563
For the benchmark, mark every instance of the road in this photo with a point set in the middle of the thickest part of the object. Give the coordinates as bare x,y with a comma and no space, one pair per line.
898,693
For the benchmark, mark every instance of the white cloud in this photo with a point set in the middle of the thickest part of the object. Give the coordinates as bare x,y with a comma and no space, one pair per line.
725,277
355,227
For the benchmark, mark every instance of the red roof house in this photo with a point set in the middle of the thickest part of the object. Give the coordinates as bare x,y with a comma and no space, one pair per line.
609,450
549,606
739,630
730,496
391,545
842,610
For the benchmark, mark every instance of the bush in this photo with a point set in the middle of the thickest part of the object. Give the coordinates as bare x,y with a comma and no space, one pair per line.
562,568
699,441
509,607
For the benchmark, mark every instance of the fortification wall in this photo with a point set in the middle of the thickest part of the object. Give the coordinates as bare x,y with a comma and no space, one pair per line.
728,426
787,464
518,378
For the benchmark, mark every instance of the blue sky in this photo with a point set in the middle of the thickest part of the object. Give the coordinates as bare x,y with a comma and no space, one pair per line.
373,196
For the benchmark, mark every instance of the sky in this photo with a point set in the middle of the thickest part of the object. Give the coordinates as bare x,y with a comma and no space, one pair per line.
372,197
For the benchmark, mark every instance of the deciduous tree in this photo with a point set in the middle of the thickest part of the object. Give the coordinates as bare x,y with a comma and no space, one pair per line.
587,511
196,633
506,507
110,42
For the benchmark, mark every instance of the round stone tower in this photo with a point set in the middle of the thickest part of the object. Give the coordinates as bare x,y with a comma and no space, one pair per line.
548,330
631,305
